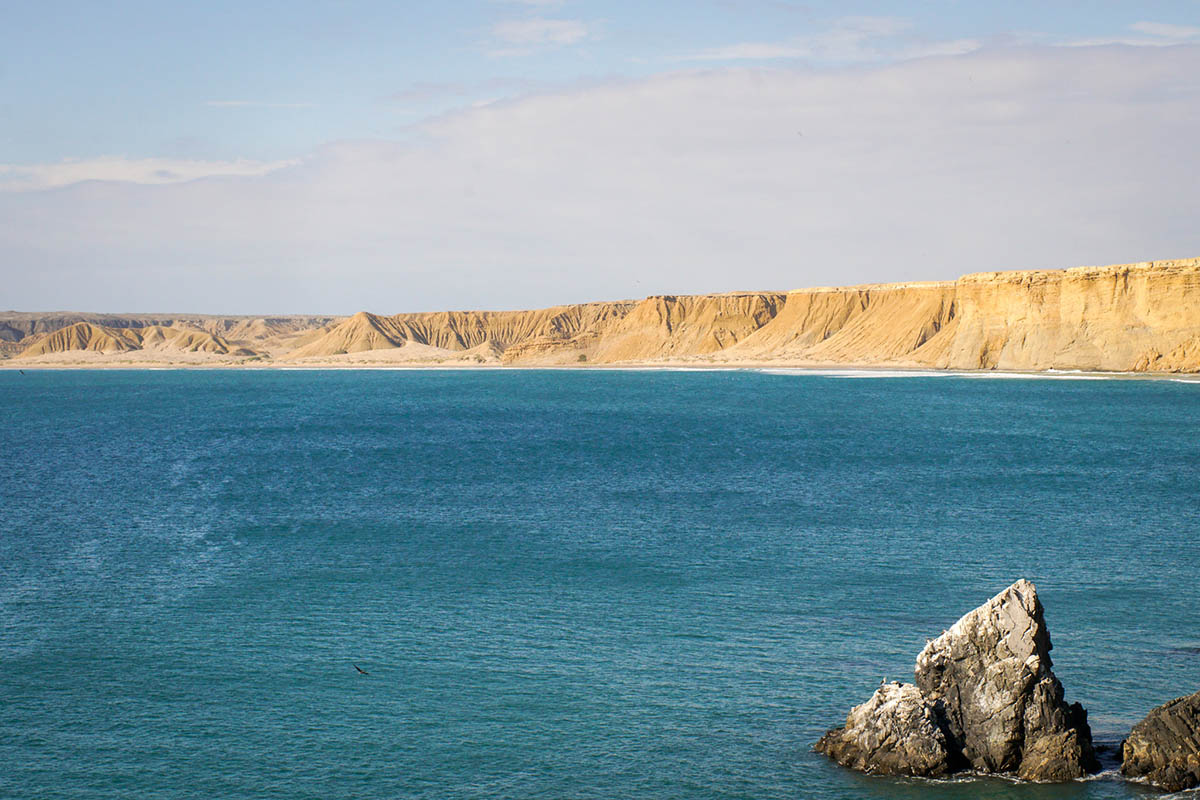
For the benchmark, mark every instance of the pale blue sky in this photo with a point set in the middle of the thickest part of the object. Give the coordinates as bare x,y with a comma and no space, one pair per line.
270,80
329,156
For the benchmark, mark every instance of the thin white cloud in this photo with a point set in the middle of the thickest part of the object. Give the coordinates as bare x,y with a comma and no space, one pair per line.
540,32
432,90
751,51
255,104
858,40
948,47
1143,34
874,26
152,171
710,180
849,40
1178,33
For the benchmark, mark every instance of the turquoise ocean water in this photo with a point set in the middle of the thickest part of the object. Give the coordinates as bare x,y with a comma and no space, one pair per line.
564,584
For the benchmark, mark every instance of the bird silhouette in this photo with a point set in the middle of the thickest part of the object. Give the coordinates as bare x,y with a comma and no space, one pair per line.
360,669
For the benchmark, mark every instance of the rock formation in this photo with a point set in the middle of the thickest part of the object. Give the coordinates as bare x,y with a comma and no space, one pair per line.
1004,710
1131,317
1164,748
985,699
896,732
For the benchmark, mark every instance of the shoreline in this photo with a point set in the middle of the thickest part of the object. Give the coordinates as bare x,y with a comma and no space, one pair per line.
865,371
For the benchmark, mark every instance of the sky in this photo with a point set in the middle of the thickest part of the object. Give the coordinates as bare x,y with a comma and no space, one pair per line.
330,156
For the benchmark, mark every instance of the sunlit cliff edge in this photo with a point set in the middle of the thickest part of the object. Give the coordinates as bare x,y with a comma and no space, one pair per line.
1141,317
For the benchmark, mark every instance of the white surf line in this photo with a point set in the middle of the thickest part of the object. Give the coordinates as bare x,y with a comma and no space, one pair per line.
856,373
1043,376
1049,375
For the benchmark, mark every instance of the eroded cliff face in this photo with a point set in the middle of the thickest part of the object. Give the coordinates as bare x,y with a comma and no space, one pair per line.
542,333
657,328
1119,318
888,323
18,325
84,336
682,326
1132,317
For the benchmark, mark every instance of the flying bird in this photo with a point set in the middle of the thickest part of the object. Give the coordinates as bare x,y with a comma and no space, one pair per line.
360,669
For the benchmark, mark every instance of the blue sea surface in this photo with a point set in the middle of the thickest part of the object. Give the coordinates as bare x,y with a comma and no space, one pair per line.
563,584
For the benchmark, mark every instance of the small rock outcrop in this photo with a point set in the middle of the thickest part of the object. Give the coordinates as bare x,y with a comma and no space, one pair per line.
896,732
1164,748
984,695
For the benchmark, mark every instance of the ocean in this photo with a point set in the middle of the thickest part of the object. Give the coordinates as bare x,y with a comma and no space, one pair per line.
561,584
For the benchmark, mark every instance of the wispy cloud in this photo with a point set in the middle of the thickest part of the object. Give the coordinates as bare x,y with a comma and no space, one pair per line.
849,40
1142,34
1162,30
255,104
431,90
750,51
154,171
858,40
523,36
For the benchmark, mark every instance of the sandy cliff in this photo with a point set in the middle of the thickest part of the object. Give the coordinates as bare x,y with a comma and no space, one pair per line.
84,336
1130,317
270,336
456,331
888,323
653,329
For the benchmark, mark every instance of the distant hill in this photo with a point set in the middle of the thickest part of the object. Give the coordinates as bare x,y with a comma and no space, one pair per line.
101,339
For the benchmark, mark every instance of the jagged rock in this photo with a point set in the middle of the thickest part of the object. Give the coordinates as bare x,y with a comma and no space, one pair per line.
985,685
896,732
1004,709
1164,748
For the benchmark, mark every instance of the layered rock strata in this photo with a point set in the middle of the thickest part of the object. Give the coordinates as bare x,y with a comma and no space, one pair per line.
984,699
1164,748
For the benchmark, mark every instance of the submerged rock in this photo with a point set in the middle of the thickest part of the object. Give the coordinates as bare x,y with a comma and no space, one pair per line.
986,687
1164,748
896,732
